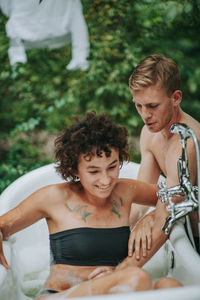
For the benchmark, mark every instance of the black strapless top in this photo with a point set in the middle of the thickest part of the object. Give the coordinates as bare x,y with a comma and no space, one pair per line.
90,246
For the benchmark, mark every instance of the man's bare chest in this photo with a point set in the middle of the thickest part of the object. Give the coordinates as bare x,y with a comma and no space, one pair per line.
166,153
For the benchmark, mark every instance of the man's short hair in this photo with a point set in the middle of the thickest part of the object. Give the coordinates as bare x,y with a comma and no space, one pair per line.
156,70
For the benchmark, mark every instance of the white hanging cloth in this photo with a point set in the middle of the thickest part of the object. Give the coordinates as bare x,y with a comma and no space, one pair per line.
48,24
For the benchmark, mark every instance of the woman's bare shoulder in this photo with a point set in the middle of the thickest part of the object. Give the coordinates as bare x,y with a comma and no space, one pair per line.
49,198
52,192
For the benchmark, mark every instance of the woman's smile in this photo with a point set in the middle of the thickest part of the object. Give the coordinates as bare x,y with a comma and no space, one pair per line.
98,175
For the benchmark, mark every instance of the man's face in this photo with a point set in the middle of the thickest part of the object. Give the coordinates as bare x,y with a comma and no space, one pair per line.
155,107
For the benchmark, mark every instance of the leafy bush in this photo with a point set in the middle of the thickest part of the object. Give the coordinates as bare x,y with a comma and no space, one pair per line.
42,94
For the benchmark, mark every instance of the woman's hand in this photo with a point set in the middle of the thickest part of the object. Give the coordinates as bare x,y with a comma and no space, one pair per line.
140,239
3,260
100,271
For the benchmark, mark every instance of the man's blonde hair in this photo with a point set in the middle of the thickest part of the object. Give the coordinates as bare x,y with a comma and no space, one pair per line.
156,70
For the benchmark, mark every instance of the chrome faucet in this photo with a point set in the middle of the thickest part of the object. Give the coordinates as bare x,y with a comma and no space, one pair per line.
185,189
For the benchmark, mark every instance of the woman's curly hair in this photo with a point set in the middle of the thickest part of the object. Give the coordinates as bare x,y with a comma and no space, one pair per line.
94,132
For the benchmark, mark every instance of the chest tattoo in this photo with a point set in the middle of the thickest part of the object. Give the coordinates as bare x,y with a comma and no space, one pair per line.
116,206
81,209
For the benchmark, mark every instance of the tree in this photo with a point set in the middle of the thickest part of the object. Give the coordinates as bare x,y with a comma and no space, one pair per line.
42,95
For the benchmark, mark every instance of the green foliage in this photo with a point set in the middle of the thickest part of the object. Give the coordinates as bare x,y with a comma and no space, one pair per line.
42,94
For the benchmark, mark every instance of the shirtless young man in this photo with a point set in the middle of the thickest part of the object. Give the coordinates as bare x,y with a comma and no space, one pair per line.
155,86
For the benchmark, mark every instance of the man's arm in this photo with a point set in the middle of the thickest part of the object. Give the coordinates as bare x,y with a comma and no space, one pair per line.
171,168
149,172
149,169
158,239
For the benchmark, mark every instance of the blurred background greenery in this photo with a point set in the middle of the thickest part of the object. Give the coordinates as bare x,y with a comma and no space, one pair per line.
38,98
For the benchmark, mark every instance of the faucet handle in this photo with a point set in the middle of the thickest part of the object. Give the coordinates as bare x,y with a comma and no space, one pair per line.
165,193
167,225
162,192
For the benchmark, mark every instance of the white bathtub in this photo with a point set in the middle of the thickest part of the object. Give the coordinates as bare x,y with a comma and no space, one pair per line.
26,251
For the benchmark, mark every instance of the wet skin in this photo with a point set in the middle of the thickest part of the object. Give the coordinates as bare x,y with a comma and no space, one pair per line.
99,200
160,149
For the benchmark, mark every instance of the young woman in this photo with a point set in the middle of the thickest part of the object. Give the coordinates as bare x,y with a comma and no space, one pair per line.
88,215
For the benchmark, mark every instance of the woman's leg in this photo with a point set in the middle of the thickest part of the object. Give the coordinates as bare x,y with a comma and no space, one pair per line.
129,279
125,280
166,283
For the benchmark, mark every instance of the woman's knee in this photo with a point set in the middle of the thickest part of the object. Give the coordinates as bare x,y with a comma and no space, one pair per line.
137,278
165,283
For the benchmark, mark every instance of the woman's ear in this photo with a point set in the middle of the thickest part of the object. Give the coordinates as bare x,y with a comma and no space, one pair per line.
73,173
177,97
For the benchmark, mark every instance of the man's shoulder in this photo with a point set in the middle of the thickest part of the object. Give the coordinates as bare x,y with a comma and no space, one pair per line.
192,123
149,137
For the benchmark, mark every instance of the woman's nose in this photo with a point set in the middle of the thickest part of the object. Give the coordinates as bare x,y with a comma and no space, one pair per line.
105,179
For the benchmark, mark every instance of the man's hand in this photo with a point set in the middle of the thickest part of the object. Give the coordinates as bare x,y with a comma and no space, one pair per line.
3,260
140,238
100,271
